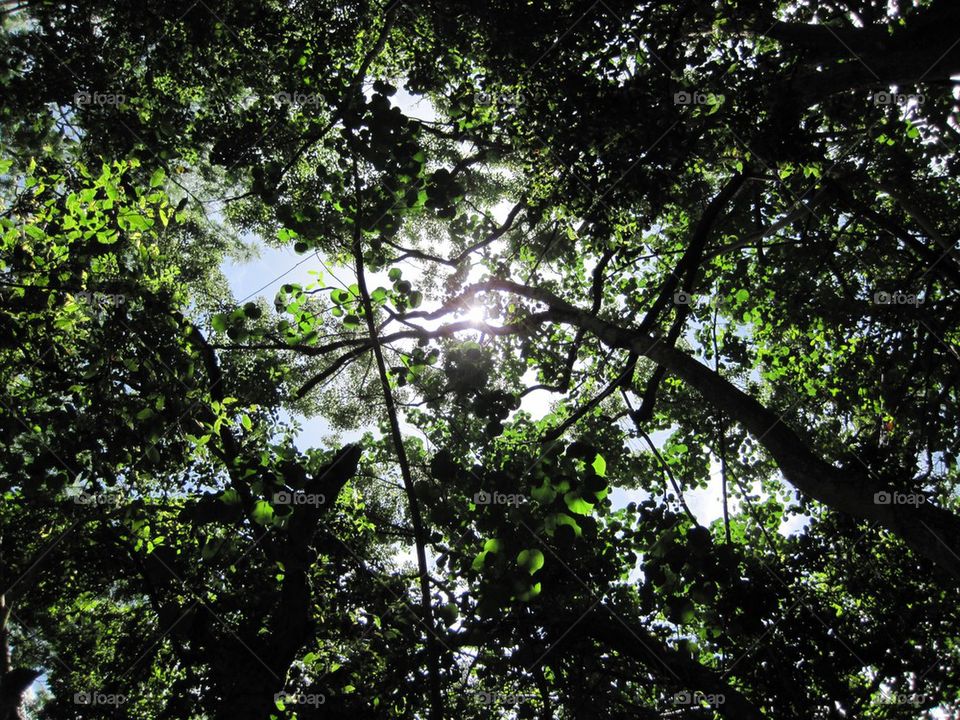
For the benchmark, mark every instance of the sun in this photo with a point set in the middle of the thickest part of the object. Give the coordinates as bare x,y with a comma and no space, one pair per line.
476,314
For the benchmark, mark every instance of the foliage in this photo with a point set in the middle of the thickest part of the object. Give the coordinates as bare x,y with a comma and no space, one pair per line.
719,237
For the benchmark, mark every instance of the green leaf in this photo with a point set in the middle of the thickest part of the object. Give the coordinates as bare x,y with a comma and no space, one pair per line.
493,545
449,614
529,594
600,465
230,496
156,180
577,504
532,560
262,513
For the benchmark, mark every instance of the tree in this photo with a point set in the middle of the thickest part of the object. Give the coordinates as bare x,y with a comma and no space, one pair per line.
723,232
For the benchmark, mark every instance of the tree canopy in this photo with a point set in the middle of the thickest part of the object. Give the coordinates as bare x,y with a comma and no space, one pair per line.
632,335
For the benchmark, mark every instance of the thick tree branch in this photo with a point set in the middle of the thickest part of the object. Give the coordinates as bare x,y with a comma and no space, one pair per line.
635,642
932,531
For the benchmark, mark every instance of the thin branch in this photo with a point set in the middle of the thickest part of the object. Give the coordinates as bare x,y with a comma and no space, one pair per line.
333,369
419,532
663,464
690,262
622,379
